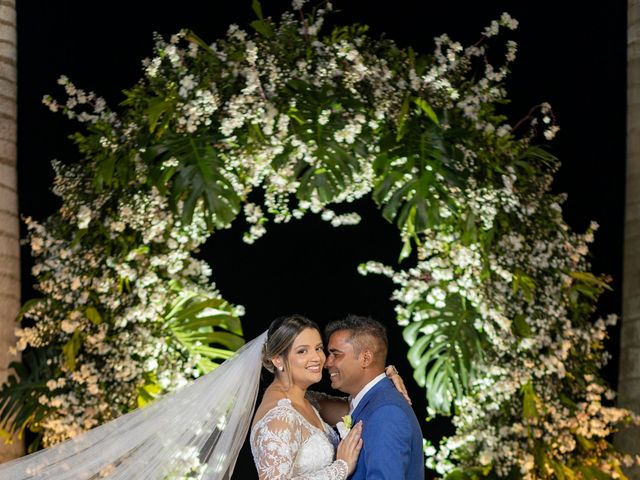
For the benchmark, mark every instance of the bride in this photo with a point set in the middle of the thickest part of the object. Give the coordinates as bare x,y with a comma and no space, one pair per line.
198,431
288,437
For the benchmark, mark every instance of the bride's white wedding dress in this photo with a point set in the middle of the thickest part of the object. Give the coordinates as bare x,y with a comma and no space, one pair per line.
286,446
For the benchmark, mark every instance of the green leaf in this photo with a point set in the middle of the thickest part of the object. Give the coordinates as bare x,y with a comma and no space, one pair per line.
28,305
263,27
456,474
229,340
104,171
525,284
93,315
521,327
586,290
148,392
71,348
411,332
199,177
406,249
19,405
590,278
558,470
585,443
402,119
156,107
529,401
444,348
257,8
592,473
193,38
199,323
469,230
426,108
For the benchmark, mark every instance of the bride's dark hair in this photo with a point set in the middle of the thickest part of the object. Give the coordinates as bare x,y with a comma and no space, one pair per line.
282,332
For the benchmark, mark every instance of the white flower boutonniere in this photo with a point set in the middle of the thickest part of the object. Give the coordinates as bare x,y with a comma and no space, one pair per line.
344,426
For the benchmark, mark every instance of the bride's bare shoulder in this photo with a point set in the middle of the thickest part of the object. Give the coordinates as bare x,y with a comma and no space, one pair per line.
269,401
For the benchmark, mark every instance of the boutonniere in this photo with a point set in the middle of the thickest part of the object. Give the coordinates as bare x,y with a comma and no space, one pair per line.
344,426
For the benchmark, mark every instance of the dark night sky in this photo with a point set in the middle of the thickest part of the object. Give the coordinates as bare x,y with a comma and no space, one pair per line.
571,56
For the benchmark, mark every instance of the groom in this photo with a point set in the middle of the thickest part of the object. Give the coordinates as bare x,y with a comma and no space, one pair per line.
392,440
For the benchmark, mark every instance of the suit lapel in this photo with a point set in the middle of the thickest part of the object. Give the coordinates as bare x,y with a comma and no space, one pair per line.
357,413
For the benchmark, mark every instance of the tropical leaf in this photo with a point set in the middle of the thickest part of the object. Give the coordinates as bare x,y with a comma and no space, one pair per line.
71,348
28,305
414,176
198,177
427,110
444,347
592,473
590,279
156,109
19,405
529,401
206,327
93,315
148,392
335,163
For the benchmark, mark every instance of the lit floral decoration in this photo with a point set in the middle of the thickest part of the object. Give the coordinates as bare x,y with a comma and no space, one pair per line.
495,294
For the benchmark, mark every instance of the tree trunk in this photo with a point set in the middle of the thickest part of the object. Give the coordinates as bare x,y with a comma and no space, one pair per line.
629,377
9,222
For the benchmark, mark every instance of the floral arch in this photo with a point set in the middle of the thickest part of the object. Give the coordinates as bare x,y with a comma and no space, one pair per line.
494,294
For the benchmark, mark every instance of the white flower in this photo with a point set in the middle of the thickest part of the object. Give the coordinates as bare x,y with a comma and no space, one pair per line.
187,83
343,431
83,217
298,4
551,132
68,326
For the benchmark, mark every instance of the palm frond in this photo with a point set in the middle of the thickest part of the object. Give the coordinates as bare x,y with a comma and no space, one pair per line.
206,327
19,405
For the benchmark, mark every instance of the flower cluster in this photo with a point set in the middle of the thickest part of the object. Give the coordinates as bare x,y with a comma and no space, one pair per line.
534,402
110,267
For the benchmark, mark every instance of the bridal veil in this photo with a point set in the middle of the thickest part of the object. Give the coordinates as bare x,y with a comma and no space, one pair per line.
196,432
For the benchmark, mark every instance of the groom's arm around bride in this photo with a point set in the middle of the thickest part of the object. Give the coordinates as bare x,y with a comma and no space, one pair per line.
392,439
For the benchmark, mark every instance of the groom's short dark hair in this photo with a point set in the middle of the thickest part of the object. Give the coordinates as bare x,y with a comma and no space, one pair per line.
365,333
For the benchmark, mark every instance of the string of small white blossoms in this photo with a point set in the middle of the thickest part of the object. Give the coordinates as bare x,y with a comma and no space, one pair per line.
478,429
76,399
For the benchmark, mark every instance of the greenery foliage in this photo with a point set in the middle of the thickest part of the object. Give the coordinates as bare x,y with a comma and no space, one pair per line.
494,290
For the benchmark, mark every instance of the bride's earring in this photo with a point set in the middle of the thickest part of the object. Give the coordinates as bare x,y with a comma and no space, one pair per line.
281,369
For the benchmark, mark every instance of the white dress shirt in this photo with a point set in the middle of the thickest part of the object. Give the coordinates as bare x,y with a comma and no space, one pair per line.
356,400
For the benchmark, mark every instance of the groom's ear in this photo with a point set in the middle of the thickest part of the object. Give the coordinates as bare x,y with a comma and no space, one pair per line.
366,358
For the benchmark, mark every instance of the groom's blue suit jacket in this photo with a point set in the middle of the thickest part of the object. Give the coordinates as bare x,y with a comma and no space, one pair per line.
392,439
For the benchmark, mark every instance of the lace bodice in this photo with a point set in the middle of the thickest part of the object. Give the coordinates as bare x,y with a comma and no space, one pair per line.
286,446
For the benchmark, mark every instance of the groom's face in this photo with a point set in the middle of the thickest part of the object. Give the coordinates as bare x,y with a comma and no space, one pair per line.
343,364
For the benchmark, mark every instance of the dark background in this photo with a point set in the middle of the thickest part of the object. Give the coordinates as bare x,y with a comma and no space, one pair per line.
572,56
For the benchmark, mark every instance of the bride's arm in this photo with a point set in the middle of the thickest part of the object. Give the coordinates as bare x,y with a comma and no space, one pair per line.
393,375
333,408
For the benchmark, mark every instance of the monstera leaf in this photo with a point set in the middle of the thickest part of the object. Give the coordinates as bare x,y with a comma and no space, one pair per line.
198,176
336,163
206,327
19,405
414,175
443,350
